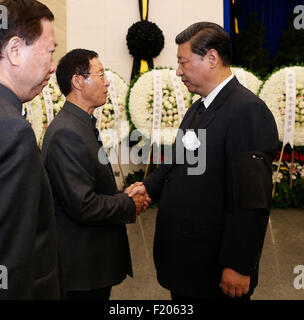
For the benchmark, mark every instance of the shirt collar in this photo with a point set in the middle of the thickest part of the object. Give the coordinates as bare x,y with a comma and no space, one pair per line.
212,95
11,97
80,113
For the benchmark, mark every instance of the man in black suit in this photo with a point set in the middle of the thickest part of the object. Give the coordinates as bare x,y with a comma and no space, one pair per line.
91,214
212,217
28,248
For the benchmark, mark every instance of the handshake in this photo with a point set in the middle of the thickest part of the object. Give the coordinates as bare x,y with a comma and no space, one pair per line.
138,192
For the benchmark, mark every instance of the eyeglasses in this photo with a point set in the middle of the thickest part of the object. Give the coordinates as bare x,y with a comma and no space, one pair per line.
101,75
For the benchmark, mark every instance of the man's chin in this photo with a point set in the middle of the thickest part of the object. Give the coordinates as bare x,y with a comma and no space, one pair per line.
29,97
44,84
36,92
189,87
103,101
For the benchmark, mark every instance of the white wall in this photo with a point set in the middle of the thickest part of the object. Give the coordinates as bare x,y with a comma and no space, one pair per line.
58,7
102,25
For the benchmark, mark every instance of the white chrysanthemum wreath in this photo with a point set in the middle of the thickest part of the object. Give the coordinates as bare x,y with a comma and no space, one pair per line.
35,116
246,78
141,103
273,93
38,109
106,115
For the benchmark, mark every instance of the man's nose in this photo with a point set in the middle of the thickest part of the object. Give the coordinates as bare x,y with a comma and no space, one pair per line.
53,67
106,82
179,71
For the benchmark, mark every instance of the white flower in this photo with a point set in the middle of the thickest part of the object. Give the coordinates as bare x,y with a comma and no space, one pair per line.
172,100
277,177
54,97
191,141
300,85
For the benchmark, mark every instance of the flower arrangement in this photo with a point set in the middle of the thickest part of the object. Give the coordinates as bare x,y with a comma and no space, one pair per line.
141,102
289,179
35,116
106,116
169,113
273,93
252,82
39,112
58,100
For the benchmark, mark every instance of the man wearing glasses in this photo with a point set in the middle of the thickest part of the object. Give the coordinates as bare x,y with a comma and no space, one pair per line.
90,212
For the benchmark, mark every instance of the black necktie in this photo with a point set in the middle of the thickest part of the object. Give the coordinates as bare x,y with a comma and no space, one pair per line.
200,109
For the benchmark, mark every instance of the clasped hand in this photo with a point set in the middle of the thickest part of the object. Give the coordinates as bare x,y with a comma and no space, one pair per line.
138,192
234,284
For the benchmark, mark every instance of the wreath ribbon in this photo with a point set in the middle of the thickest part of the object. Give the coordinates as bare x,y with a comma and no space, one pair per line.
290,109
48,104
143,7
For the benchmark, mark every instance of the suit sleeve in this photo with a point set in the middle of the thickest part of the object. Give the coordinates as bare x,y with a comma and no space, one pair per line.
20,176
71,172
154,182
250,145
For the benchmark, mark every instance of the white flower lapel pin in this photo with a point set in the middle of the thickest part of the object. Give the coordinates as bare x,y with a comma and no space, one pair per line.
191,141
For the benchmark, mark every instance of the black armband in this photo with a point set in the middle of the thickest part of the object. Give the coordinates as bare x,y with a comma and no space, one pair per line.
249,181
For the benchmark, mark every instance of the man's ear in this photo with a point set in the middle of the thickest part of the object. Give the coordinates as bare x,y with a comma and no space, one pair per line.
213,58
78,81
13,50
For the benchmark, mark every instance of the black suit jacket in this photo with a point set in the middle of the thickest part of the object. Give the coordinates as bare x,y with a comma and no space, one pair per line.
90,212
28,246
219,218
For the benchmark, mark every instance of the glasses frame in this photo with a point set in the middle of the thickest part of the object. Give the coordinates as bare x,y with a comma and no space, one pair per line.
101,75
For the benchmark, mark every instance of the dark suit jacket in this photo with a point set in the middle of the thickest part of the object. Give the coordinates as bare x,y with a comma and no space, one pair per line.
217,219
90,212
28,246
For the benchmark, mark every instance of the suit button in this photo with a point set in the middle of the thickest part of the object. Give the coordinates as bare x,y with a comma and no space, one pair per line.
167,180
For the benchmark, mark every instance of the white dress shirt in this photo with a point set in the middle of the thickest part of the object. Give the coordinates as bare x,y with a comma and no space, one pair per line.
211,96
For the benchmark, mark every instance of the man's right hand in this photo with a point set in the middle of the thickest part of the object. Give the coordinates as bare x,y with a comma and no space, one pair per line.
139,201
139,189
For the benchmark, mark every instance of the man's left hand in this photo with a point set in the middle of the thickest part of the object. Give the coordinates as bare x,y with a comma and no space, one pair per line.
234,284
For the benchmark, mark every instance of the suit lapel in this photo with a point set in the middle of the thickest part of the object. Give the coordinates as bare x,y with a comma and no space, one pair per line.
185,124
189,115
207,117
